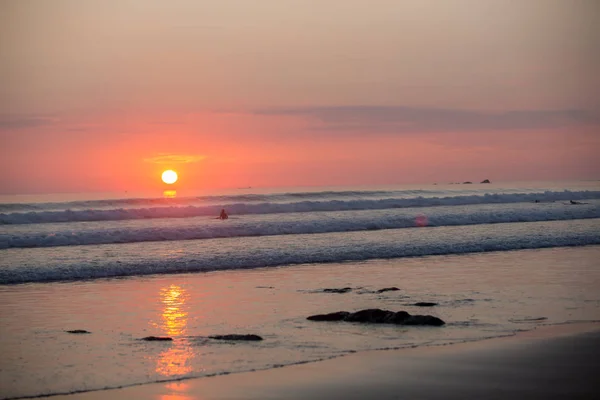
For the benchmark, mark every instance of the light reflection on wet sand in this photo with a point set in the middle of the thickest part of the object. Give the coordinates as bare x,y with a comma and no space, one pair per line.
178,391
177,359
480,295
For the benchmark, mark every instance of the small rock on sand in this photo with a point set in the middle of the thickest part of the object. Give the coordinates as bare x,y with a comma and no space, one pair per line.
237,337
425,304
157,339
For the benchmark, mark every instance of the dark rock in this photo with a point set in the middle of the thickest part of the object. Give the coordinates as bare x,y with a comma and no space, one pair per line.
423,320
78,331
157,339
467,183
337,290
374,315
388,289
237,337
486,181
425,304
399,318
377,316
336,316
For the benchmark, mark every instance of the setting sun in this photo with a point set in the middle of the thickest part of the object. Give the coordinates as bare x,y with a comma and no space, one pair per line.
169,177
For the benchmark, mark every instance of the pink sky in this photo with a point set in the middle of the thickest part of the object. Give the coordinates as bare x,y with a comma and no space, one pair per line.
103,95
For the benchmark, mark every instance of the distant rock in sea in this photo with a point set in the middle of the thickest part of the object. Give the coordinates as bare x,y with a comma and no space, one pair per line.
237,337
378,316
157,339
486,181
425,304
467,183
78,331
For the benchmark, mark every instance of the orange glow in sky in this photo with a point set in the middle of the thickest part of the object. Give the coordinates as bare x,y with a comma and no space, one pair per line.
96,100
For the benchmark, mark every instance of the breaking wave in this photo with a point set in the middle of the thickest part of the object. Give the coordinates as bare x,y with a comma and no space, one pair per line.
195,228
199,256
244,208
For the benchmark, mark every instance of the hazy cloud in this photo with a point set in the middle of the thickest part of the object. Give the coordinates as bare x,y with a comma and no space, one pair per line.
24,121
175,159
391,119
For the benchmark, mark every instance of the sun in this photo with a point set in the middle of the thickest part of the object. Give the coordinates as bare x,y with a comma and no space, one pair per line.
169,177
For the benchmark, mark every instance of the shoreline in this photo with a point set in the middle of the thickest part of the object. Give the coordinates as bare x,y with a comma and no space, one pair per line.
563,357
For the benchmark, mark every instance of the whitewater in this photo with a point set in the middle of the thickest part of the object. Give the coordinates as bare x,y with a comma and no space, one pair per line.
283,227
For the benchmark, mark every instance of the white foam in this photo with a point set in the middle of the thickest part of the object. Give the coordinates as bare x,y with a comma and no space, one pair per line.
310,223
40,265
36,217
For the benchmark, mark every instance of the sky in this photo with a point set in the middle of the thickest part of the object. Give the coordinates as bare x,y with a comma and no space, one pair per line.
103,95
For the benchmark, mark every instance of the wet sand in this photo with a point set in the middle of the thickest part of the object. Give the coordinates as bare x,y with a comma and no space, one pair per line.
553,362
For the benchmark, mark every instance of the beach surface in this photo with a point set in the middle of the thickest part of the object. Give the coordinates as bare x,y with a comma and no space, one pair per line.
550,362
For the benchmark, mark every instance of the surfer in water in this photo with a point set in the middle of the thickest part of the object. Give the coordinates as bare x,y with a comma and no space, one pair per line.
223,214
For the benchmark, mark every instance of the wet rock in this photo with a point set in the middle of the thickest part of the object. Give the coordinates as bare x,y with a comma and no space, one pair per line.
337,290
399,317
378,316
237,337
388,289
467,183
425,304
157,339
423,320
486,181
336,316
374,316
78,331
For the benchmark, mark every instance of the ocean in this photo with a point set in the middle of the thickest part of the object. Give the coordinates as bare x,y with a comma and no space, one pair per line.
495,258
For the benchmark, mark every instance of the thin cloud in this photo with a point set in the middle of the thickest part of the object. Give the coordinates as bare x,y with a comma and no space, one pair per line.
175,159
391,119
24,121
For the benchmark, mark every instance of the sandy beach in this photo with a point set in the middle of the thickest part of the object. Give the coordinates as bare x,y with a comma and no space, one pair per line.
551,362
546,295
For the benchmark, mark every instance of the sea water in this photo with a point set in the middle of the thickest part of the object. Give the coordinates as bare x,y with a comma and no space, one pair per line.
495,258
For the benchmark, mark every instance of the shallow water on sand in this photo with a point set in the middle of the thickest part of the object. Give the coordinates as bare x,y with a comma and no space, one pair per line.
480,295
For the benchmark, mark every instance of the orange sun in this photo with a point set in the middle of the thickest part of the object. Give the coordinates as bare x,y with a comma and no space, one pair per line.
169,177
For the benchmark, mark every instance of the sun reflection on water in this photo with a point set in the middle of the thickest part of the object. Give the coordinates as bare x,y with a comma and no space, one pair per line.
170,194
175,360
174,314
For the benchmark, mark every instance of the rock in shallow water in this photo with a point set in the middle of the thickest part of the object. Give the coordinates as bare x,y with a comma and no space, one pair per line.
337,290
157,339
378,316
425,304
423,320
336,316
78,331
388,289
236,337
373,315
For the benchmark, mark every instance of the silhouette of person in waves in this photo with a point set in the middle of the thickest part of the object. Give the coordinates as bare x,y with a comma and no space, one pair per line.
223,214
